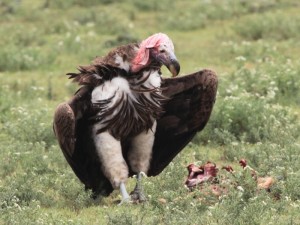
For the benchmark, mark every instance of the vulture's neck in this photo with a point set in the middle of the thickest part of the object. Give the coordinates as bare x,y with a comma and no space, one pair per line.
153,66
138,66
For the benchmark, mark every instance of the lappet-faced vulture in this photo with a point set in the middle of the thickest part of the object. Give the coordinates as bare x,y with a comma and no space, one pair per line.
127,120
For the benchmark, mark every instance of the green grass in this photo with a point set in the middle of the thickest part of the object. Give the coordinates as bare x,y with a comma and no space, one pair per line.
252,45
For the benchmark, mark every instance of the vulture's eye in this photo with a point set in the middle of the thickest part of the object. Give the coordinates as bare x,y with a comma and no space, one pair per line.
162,51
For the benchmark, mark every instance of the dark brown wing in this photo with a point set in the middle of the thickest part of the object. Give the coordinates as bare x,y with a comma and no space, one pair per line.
72,129
191,102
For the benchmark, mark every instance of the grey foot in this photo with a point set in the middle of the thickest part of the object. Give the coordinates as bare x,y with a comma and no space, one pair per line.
125,197
137,195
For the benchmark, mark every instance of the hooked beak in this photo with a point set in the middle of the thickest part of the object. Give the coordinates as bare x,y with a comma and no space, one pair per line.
174,67
168,59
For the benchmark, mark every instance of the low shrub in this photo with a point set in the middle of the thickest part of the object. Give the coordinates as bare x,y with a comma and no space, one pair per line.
29,125
276,82
14,58
249,118
103,21
269,26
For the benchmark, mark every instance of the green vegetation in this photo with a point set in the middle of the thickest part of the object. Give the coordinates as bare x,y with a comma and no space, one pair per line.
252,45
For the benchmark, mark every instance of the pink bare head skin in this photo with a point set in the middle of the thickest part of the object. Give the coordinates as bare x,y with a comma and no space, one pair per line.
159,43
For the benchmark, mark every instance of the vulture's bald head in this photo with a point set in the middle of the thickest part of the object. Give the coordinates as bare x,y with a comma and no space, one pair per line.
157,48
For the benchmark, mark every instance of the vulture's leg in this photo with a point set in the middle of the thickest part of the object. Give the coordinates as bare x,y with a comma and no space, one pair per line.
113,164
137,195
139,158
124,193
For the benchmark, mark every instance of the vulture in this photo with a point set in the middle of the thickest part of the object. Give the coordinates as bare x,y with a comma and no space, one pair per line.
126,119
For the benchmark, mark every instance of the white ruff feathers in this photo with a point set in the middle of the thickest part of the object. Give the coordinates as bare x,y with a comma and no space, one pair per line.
109,148
109,88
154,80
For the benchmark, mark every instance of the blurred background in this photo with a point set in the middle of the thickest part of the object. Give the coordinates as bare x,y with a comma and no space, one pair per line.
254,47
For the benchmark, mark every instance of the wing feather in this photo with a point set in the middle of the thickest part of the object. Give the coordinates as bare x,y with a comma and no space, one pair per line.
64,127
191,102
72,129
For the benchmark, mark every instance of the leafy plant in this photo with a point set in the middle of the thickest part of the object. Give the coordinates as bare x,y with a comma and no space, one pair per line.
268,26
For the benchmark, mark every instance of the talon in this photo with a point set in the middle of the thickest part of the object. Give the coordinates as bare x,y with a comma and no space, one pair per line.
137,195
